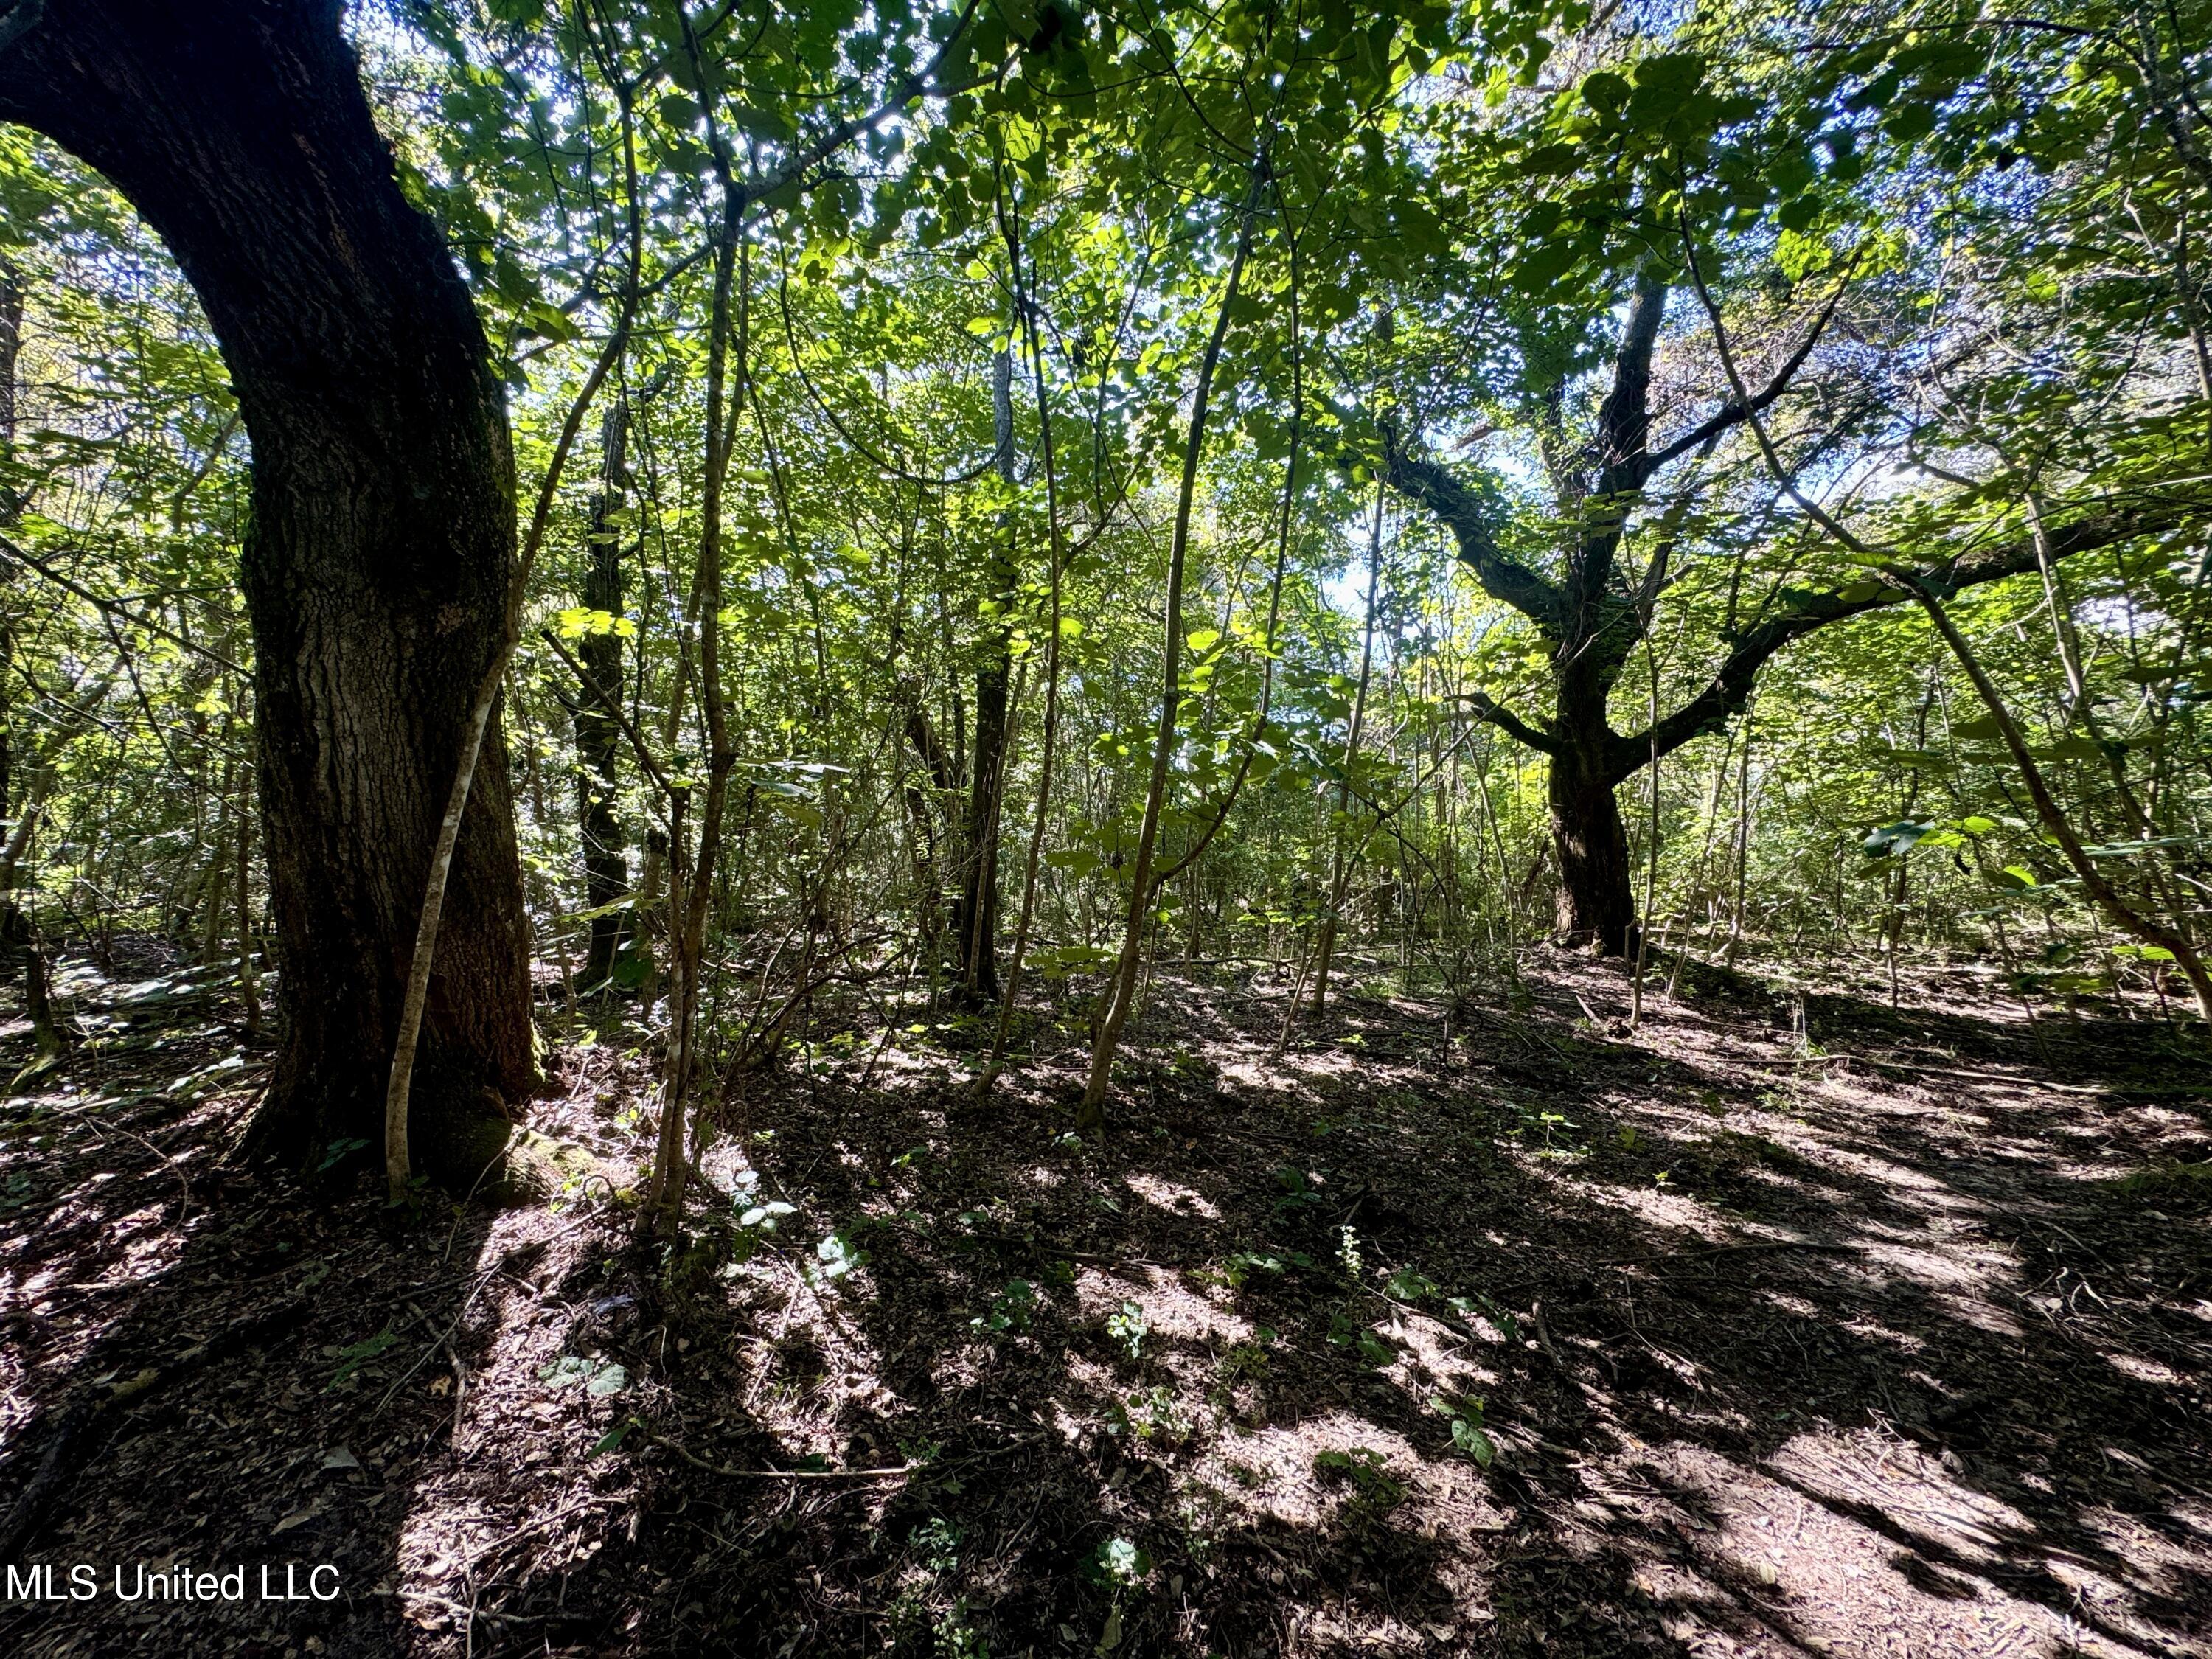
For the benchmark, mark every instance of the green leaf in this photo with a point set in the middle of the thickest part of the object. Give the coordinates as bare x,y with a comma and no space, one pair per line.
598,1378
612,1438
1895,840
1606,93
1118,1562
352,1360
1477,1445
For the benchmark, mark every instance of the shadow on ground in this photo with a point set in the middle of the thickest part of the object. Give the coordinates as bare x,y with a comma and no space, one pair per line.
1788,1325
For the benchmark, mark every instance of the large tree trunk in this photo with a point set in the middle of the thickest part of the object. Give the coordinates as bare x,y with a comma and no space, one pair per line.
1597,901
383,532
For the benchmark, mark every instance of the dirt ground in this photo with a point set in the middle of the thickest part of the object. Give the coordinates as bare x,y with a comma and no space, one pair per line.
1785,1324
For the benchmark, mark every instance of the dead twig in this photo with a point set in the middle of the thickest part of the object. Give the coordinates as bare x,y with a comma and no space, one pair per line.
1544,1336
887,1471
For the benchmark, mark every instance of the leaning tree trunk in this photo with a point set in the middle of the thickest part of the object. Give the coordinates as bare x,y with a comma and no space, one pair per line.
376,566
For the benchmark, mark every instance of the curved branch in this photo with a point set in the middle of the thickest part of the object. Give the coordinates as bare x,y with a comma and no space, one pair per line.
1736,410
1505,579
1725,694
1511,723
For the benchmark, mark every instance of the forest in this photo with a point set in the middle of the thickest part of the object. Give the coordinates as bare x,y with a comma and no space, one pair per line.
1204,828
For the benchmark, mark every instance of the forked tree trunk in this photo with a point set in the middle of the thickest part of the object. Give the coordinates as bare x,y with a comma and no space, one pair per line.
376,566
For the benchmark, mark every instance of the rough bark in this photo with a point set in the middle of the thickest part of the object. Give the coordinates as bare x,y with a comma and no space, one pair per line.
1597,899
376,566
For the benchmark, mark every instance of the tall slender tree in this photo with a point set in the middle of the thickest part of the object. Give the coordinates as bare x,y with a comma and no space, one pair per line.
598,734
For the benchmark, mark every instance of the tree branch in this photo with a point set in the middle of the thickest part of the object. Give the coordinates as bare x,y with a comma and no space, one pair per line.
10,549
1623,420
1504,580
1511,723
1724,695
1737,411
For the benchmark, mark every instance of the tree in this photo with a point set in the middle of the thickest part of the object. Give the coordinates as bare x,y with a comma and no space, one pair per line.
1661,165
382,536
979,888
598,733
1590,617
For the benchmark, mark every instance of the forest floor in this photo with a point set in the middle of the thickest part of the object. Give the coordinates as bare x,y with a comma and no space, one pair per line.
1787,1324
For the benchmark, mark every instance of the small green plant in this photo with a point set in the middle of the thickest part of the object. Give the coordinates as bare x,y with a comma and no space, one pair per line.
18,1192
1152,1415
1128,1326
351,1359
1117,1564
958,1640
1550,1123
1247,1362
835,1257
1241,1265
1468,1436
1374,1349
1375,1491
414,1203
936,1545
338,1152
612,1439
598,1378
757,1223
1297,1189
1410,1284
1188,1062
1012,1310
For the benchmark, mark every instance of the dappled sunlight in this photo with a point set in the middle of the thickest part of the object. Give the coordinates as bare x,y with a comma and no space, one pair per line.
1654,1205
1170,1310
1809,1546
1353,1362
527,1392
1172,1196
